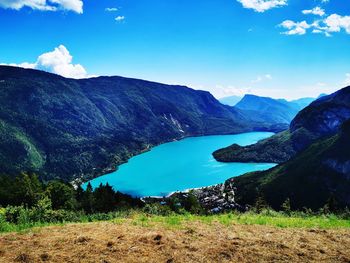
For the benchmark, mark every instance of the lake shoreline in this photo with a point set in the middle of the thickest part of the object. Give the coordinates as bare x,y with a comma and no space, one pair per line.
172,165
83,179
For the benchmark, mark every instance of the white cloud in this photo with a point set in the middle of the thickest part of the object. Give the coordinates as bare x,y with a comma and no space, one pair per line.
335,23
119,18
294,28
58,61
74,5
111,9
44,5
262,78
320,31
262,5
330,24
318,11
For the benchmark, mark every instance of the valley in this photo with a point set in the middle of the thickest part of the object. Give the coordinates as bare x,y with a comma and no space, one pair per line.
78,129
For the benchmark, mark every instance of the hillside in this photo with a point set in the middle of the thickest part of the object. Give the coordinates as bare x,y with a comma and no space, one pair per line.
314,177
173,239
320,119
67,128
271,110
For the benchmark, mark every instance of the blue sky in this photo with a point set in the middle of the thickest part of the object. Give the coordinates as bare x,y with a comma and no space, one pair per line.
277,48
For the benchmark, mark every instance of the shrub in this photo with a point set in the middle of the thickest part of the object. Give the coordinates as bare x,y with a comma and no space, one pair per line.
286,206
157,209
12,213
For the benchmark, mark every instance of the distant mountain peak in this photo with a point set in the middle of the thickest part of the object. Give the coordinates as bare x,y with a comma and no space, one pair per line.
230,100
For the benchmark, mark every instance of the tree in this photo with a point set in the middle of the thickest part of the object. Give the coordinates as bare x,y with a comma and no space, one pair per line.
192,204
79,194
7,191
331,206
104,197
62,195
260,204
174,203
87,202
28,190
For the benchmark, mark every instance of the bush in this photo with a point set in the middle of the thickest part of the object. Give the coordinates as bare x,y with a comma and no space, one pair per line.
286,207
345,214
269,212
157,209
13,213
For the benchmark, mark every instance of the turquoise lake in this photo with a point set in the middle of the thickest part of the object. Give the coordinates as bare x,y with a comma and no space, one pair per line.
181,165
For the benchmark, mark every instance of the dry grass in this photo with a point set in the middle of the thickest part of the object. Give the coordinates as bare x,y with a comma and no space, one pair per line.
194,241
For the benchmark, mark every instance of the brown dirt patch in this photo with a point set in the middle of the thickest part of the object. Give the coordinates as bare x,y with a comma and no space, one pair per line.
198,242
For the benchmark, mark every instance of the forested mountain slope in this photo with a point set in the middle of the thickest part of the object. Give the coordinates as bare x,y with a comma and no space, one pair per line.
317,176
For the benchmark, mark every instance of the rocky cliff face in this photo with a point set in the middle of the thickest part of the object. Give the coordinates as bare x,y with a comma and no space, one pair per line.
324,116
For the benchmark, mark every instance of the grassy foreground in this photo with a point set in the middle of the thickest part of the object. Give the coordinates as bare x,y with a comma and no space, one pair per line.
139,237
266,217
273,219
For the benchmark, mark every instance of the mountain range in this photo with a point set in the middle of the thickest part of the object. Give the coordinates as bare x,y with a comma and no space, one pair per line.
67,128
321,118
268,109
278,111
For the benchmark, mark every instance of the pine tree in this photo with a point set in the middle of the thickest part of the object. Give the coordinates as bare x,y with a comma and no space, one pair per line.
88,200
